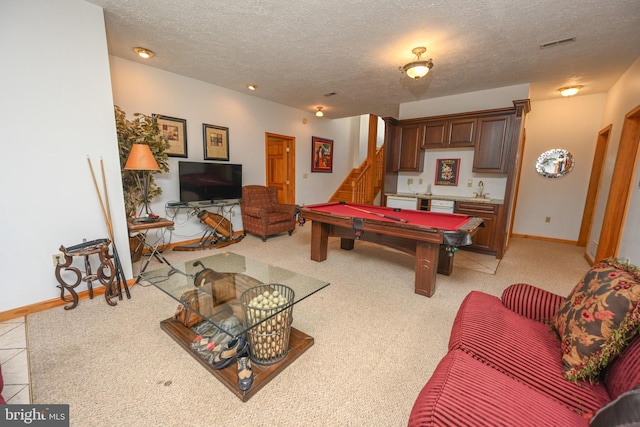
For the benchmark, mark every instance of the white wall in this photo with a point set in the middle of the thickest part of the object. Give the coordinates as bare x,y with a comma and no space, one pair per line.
623,97
56,109
571,124
494,184
139,88
501,97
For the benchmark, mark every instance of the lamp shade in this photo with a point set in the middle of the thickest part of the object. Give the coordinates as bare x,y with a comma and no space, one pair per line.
418,69
141,159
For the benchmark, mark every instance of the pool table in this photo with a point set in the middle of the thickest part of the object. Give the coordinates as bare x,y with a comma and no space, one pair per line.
432,237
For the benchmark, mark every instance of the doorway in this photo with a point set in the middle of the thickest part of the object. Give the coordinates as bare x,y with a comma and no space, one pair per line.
597,167
280,155
621,186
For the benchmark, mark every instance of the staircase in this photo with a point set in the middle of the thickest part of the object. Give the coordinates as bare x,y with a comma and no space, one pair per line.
363,183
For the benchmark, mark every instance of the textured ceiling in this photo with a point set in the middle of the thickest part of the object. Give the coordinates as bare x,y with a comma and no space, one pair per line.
299,51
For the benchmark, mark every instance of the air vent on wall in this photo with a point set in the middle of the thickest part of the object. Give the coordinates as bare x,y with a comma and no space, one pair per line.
557,42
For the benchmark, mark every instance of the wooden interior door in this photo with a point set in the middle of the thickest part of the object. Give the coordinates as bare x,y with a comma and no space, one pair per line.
280,156
597,167
621,186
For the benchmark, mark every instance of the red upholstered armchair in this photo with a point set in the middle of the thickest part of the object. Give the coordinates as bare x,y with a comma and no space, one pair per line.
263,215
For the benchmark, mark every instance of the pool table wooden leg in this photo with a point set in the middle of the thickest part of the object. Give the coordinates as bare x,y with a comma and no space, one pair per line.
445,261
427,255
319,241
347,244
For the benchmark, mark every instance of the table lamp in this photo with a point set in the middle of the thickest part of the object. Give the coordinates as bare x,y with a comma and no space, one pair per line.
141,159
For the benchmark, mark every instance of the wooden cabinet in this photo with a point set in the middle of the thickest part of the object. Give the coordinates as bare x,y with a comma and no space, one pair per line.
492,144
449,133
497,139
410,154
484,240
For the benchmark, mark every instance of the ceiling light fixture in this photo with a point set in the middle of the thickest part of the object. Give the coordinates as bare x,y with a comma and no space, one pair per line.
143,53
319,113
418,68
570,90
252,87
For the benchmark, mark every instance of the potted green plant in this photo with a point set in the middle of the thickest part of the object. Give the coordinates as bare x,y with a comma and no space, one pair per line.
143,129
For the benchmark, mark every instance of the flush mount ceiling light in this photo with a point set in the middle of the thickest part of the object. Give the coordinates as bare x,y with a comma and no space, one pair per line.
319,113
418,68
570,90
252,87
143,53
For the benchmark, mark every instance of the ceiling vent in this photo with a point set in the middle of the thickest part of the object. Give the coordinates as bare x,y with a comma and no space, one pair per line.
557,42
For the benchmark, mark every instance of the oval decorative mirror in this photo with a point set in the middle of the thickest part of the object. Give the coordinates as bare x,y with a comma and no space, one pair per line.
554,163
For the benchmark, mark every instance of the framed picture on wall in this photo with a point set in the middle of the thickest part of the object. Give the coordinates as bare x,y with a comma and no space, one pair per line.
321,154
175,131
447,171
216,142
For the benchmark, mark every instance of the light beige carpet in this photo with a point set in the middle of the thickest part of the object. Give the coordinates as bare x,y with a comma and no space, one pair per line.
376,342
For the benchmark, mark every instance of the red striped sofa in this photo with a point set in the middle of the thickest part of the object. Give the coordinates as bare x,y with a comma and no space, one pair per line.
504,368
1,387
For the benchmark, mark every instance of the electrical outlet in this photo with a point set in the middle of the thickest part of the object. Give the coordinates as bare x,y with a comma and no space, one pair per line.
409,181
58,258
469,182
305,176
547,219
420,181
233,213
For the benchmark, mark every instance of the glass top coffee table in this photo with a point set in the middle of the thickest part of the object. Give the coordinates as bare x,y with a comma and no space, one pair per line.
237,296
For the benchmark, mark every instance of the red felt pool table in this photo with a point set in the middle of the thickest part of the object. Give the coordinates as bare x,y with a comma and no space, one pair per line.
431,236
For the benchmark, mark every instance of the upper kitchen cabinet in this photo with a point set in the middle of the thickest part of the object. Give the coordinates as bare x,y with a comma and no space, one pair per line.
410,156
449,133
492,144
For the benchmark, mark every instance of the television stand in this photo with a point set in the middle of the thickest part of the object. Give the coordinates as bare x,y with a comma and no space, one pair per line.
219,232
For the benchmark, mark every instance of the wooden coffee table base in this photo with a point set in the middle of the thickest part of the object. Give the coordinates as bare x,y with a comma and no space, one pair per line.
299,342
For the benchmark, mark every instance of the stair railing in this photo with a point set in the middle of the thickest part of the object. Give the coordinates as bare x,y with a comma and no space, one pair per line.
365,182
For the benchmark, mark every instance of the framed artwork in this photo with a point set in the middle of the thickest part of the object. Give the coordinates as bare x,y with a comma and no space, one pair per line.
321,154
447,171
175,131
216,142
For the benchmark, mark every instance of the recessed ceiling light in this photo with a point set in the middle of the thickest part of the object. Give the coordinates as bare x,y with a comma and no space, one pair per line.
570,90
143,53
252,87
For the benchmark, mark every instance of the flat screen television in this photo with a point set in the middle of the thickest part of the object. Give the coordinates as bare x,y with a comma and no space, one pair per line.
209,181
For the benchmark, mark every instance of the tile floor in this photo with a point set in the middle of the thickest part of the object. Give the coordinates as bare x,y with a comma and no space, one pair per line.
13,339
475,261
15,362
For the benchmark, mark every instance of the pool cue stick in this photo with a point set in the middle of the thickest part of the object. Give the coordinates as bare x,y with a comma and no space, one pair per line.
378,214
119,271
104,213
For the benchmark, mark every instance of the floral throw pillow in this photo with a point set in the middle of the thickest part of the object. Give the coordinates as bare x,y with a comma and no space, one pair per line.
598,318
